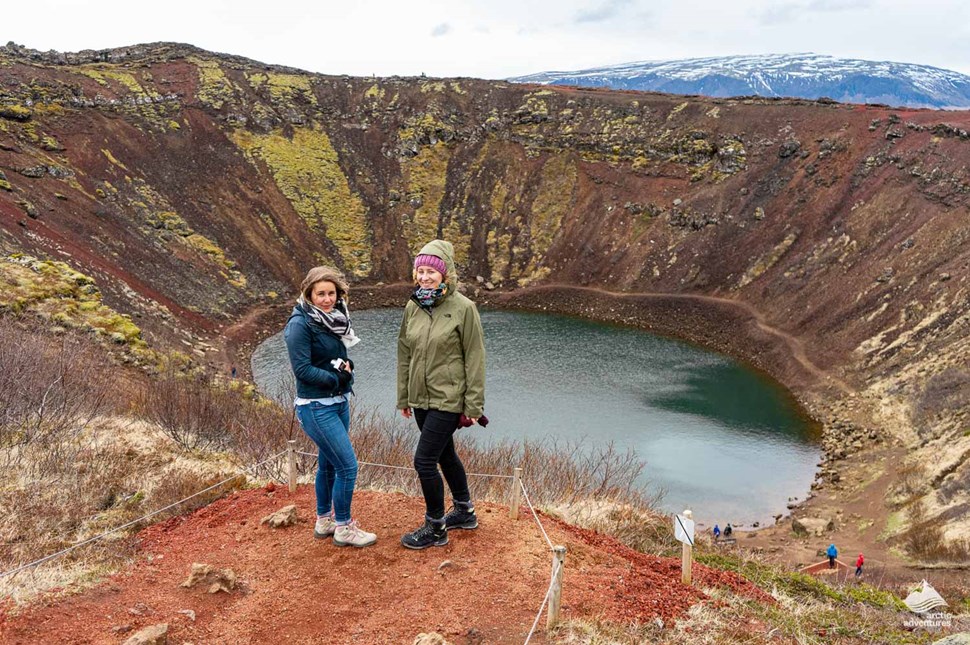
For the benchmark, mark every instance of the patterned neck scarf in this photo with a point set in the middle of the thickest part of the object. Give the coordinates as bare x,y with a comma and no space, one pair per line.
337,321
428,298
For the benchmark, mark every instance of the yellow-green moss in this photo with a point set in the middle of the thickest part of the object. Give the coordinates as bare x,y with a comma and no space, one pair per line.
174,125
425,177
215,88
552,203
307,170
102,74
56,292
678,109
5,185
111,158
15,112
374,92
767,261
256,80
432,86
285,88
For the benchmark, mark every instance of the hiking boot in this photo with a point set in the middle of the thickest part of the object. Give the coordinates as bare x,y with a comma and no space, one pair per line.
461,517
324,527
352,535
430,534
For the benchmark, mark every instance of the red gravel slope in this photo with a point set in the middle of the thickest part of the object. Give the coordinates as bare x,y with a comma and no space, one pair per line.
297,589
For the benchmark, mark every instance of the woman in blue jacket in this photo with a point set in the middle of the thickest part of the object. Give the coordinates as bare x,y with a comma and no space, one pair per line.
317,335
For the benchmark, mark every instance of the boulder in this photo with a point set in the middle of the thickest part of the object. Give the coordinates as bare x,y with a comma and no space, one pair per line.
954,639
154,635
431,638
812,525
216,580
286,516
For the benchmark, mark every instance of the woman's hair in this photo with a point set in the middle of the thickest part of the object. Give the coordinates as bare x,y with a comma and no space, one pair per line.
321,274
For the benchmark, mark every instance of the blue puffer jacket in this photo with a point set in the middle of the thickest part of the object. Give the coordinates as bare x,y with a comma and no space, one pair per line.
311,348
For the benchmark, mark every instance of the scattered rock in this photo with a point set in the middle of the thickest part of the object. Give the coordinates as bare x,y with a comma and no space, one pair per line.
286,516
121,629
140,609
189,613
789,148
224,580
154,635
431,638
954,639
816,526
444,565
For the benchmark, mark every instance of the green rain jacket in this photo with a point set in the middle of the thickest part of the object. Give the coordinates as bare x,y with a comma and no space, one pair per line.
441,353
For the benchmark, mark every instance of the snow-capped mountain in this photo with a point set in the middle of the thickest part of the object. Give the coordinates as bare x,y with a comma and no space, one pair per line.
809,76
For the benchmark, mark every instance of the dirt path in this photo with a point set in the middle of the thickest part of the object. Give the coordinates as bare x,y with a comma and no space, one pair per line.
485,586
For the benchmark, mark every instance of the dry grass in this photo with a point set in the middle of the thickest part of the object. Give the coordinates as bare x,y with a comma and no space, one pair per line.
925,541
945,394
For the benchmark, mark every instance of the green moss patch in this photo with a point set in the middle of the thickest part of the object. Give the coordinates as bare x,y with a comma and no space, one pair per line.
58,293
307,170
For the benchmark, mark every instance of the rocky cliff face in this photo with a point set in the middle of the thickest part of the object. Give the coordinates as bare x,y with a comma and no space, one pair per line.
191,185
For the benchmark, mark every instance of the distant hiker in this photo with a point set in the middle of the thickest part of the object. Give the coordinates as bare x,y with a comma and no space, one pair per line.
717,532
858,565
317,335
232,372
441,378
728,530
832,552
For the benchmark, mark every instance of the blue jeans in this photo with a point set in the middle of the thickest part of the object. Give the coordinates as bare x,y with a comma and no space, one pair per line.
328,427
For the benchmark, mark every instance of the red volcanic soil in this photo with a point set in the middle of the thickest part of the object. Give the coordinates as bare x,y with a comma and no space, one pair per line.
293,588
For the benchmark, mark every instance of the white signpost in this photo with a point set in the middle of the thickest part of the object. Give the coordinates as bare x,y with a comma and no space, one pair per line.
684,532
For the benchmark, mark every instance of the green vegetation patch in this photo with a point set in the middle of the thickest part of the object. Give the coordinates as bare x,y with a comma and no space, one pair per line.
307,170
15,112
426,175
803,585
63,296
215,88
555,198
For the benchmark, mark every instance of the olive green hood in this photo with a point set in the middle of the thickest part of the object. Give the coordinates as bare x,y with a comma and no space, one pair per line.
446,251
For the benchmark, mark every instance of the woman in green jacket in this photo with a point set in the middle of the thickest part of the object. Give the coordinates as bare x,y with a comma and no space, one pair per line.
441,378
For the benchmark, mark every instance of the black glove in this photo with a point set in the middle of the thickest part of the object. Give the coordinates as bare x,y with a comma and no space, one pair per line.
343,378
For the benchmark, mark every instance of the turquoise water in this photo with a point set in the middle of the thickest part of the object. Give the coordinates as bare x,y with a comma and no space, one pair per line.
716,436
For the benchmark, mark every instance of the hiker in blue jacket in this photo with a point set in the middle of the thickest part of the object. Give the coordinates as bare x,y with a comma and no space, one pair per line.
317,335
832,552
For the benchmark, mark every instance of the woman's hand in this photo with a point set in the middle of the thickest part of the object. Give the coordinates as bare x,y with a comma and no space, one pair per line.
406,413
474,420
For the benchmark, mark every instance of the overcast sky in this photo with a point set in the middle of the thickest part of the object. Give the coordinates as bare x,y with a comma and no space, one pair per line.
502,38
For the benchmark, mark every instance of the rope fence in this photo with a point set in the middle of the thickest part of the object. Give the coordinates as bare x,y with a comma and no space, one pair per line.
67,550
551,598
554,592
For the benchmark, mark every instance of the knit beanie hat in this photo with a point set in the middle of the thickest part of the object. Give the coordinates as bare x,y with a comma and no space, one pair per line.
432,261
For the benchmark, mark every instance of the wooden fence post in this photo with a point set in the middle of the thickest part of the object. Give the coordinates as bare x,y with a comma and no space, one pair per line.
291,463
688,557
516,496
555,598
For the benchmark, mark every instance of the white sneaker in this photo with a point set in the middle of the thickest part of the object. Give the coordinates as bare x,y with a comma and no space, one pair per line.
324,527
352,535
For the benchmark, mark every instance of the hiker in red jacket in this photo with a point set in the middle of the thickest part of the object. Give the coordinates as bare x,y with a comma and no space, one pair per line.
858,565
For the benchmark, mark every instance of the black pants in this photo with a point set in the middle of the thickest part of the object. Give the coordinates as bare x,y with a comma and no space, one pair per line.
437,446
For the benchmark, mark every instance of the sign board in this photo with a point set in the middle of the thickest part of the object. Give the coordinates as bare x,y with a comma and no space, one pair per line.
684,529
